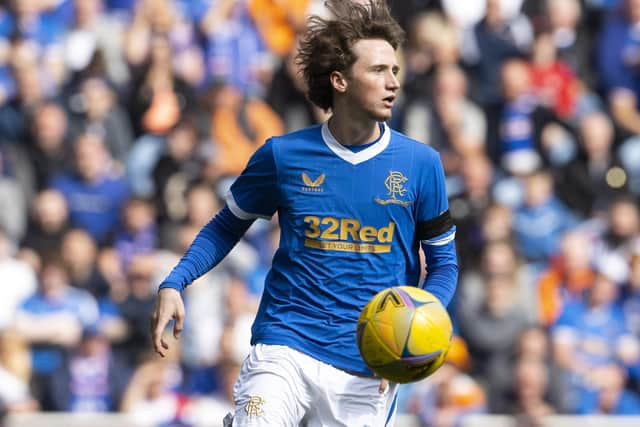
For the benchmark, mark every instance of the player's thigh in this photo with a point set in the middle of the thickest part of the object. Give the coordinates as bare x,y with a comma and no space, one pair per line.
270,390
348,400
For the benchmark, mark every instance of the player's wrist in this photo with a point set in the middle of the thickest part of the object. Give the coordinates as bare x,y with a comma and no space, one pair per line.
169,285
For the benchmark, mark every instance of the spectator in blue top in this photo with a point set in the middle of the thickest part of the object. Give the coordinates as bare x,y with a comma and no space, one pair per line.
138,235
52,321
93,380
26,19
522,122
540,222
490,42
234,50
619,65
611,397
96,192
592,335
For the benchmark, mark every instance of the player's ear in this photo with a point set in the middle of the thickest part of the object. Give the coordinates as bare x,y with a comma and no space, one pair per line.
338,81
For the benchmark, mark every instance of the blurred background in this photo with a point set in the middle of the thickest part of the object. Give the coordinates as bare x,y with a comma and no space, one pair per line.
123,122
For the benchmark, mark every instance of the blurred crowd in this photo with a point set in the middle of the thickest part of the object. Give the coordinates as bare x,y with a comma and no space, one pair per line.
123,122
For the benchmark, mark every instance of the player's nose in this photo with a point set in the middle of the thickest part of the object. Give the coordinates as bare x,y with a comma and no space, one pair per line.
392,82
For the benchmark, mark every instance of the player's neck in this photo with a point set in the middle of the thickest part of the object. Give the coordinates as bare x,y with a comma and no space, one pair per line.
353,132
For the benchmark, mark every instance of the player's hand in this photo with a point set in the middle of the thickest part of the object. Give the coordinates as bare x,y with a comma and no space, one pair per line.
383,387
168,306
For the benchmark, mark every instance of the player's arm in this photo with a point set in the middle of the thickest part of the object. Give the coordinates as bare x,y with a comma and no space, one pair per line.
252,195
441,263
436,232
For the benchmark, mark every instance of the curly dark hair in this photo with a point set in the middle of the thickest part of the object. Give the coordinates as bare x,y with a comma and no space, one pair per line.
327,44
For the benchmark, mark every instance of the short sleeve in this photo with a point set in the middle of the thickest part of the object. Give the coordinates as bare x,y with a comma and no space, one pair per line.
254,193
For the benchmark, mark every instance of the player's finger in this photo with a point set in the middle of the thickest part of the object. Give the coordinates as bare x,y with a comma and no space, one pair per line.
178,324
384,385
158,343
153,321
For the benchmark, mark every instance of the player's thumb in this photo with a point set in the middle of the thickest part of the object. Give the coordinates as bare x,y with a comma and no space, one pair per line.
383,386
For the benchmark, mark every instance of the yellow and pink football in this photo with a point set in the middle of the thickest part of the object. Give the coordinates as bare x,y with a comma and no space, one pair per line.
404,334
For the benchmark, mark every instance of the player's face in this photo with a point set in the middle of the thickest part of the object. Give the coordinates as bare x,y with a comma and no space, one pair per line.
373,81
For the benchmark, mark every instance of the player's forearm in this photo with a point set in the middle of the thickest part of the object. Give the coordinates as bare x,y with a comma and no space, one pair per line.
442,271
212,244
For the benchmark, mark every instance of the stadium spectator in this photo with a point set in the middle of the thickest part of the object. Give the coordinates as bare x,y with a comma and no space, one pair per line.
611,397
93,379
98,111
49,148
450,122
534,345
51,321
590,181
541,220
158,95
137,301
531,381
48,224
216,405
498,37
234,50
239,125
138,235
28,19
572,39
469,204
13,203
286,96
522,121
553,82
30,92
615,237
179,167
496,223
432,42
239,310
159,98
450,394
631,292
79,252
152,396
174,21
194,208
96,191
278,22
569,275
618,61
20,279
499,258
592,335
15,373
93,35
491,330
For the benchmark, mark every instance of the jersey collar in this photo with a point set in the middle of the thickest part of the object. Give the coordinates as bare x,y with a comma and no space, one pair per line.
360,156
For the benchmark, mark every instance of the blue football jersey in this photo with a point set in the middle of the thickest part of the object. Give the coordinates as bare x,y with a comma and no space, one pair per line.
350,227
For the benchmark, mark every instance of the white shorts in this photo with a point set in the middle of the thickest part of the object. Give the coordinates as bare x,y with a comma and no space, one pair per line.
281,387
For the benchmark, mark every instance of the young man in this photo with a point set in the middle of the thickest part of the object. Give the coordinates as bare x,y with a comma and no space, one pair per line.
355,200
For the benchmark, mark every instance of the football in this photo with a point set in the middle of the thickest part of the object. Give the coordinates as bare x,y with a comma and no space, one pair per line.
404,334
